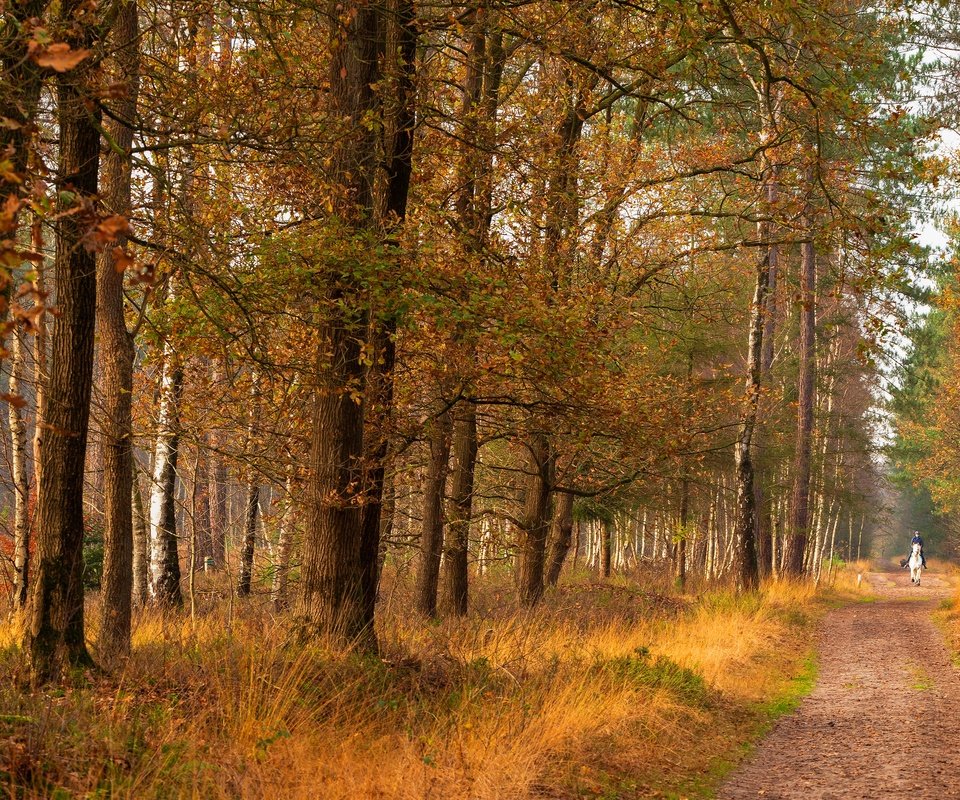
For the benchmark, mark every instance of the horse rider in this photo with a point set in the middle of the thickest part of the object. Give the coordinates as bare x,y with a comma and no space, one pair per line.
918,539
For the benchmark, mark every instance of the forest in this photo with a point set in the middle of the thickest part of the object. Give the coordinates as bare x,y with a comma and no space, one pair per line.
394,392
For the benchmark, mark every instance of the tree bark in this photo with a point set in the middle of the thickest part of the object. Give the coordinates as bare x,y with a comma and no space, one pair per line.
331,601
680,553
561,535
455,575
606,546
251,512
535,519
764,509
141,545
281,576
252,504
744,544
116,359
21,477
164,556
55,634
431,535
218,511
478,111
399,122
800,506
201,497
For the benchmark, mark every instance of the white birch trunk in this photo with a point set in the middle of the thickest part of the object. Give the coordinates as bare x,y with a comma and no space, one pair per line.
21,478
163,480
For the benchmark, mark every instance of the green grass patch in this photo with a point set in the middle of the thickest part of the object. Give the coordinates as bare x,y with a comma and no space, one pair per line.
793,693
641,669
922,682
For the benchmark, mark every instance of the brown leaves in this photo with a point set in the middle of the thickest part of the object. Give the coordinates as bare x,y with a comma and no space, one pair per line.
106,231
30,317
122,260
59,57
13,399
113,226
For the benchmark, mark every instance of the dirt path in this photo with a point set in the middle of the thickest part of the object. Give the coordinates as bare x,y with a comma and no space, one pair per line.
887,696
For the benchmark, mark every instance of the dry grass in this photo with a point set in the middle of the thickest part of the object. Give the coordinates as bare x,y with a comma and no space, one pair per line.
502,704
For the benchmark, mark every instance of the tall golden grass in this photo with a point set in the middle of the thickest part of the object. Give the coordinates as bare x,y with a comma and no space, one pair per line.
491,706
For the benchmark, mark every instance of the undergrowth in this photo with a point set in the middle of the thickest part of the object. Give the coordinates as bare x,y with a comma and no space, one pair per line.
501,704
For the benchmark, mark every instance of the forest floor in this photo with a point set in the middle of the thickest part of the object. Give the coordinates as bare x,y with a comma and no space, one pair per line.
884,717
616,689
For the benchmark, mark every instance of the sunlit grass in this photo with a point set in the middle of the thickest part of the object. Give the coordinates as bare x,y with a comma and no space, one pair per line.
227,705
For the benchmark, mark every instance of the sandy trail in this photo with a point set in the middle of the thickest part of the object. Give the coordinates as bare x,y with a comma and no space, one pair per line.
884,719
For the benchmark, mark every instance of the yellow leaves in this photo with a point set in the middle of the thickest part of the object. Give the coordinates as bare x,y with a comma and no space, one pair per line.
59,57
7,173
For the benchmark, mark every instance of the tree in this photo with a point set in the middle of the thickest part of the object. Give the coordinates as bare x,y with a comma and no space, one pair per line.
330,600
117,352
55,634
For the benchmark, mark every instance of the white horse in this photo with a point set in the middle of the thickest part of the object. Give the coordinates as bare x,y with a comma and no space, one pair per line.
916,564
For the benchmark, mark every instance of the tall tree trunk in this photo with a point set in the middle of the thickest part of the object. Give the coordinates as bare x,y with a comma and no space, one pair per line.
456,543
559,217
20,475
55,635
141,545
680,554
479,100
560,535
378,413
606,546
40,372
252,501
399,101
116,358
164,556
800,507
218,510
281,576
333,599
744,544
201,495
251,512
431,536
535,519
764,508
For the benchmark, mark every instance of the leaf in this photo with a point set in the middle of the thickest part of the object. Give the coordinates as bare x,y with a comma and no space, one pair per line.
29,255
60,57
122,260
113,226
13,399
107,231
